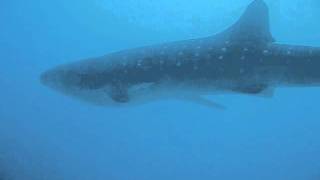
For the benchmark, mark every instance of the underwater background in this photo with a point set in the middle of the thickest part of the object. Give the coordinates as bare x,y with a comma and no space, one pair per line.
47,136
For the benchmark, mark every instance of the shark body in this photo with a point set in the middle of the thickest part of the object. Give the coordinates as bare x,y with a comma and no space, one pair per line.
242,59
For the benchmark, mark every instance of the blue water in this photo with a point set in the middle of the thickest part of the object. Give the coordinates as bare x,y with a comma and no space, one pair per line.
47,136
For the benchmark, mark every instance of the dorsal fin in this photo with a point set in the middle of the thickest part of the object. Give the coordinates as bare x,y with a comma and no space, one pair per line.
253,25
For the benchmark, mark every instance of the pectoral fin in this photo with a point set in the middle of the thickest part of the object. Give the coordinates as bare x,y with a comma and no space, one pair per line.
255,89
267,93
119,94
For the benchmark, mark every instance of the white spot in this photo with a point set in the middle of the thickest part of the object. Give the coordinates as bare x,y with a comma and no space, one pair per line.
180,53
178,64
288,52
265,52
227,42
224,49
243,58
245,49
199,47
220,57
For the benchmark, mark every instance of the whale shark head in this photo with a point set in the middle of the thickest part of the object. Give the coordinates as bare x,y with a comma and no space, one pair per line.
99,83
79,81
60,79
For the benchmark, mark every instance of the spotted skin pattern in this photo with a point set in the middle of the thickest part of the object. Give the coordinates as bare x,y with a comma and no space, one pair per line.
244,58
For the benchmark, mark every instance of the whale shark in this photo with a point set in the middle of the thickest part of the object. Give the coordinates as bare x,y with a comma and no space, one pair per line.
243,59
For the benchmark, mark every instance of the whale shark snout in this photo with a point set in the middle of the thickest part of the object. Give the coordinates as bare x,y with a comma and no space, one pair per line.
60,79
48,77
84,86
